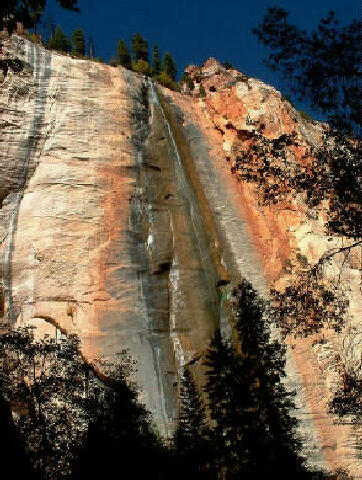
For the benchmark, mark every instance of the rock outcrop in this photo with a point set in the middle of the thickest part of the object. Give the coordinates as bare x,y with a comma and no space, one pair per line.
121,217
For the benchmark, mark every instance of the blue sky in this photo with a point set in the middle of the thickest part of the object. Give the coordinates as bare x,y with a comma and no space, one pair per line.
193,30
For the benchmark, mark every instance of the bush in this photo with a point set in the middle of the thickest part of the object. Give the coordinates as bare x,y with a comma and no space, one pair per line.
142,67
166,81
187,80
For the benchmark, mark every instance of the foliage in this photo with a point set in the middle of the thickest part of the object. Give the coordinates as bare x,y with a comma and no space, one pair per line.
12,446
202,91
156,62
123,56
254,434
84,422
76,420
227,65
119,434
44,381
27,12
78,42
166,81
34,38
142,67
322,66
187,80
308,305
344,158
191,439
334,174
60,41
168,66
113,62
347,400
139,48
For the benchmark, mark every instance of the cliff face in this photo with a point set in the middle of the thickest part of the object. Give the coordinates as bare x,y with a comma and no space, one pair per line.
234,125
120,215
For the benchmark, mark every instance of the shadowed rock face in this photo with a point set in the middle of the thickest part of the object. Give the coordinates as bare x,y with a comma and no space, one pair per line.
120,217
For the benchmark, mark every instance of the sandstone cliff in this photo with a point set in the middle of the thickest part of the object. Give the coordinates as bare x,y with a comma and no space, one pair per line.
120,216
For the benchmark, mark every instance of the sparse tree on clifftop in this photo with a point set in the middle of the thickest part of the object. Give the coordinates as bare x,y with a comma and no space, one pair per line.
168,66
13,11
156,62
59,41
139,47
78,42
123,57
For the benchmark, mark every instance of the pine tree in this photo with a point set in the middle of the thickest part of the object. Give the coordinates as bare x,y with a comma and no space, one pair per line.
59,41
273,444
27,12
139,48
228,391
254,433
191,437
123,57
156,62
168,66
78,42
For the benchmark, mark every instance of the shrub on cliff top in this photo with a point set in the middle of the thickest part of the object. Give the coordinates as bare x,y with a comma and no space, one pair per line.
142,67
166,81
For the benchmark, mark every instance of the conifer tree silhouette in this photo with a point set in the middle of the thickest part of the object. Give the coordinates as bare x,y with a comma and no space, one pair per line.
254,433
191,439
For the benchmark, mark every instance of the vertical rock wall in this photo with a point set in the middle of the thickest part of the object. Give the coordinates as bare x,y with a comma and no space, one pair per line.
120,216
72,248
258,240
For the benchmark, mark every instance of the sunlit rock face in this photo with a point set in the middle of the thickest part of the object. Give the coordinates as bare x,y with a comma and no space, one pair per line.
273,243
73,248
121,217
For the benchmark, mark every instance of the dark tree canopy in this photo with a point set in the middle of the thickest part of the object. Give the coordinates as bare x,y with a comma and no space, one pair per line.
123,56
78,42
156,62
255,433
60,41
27,12
12,447
139,47
322,66
168,66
